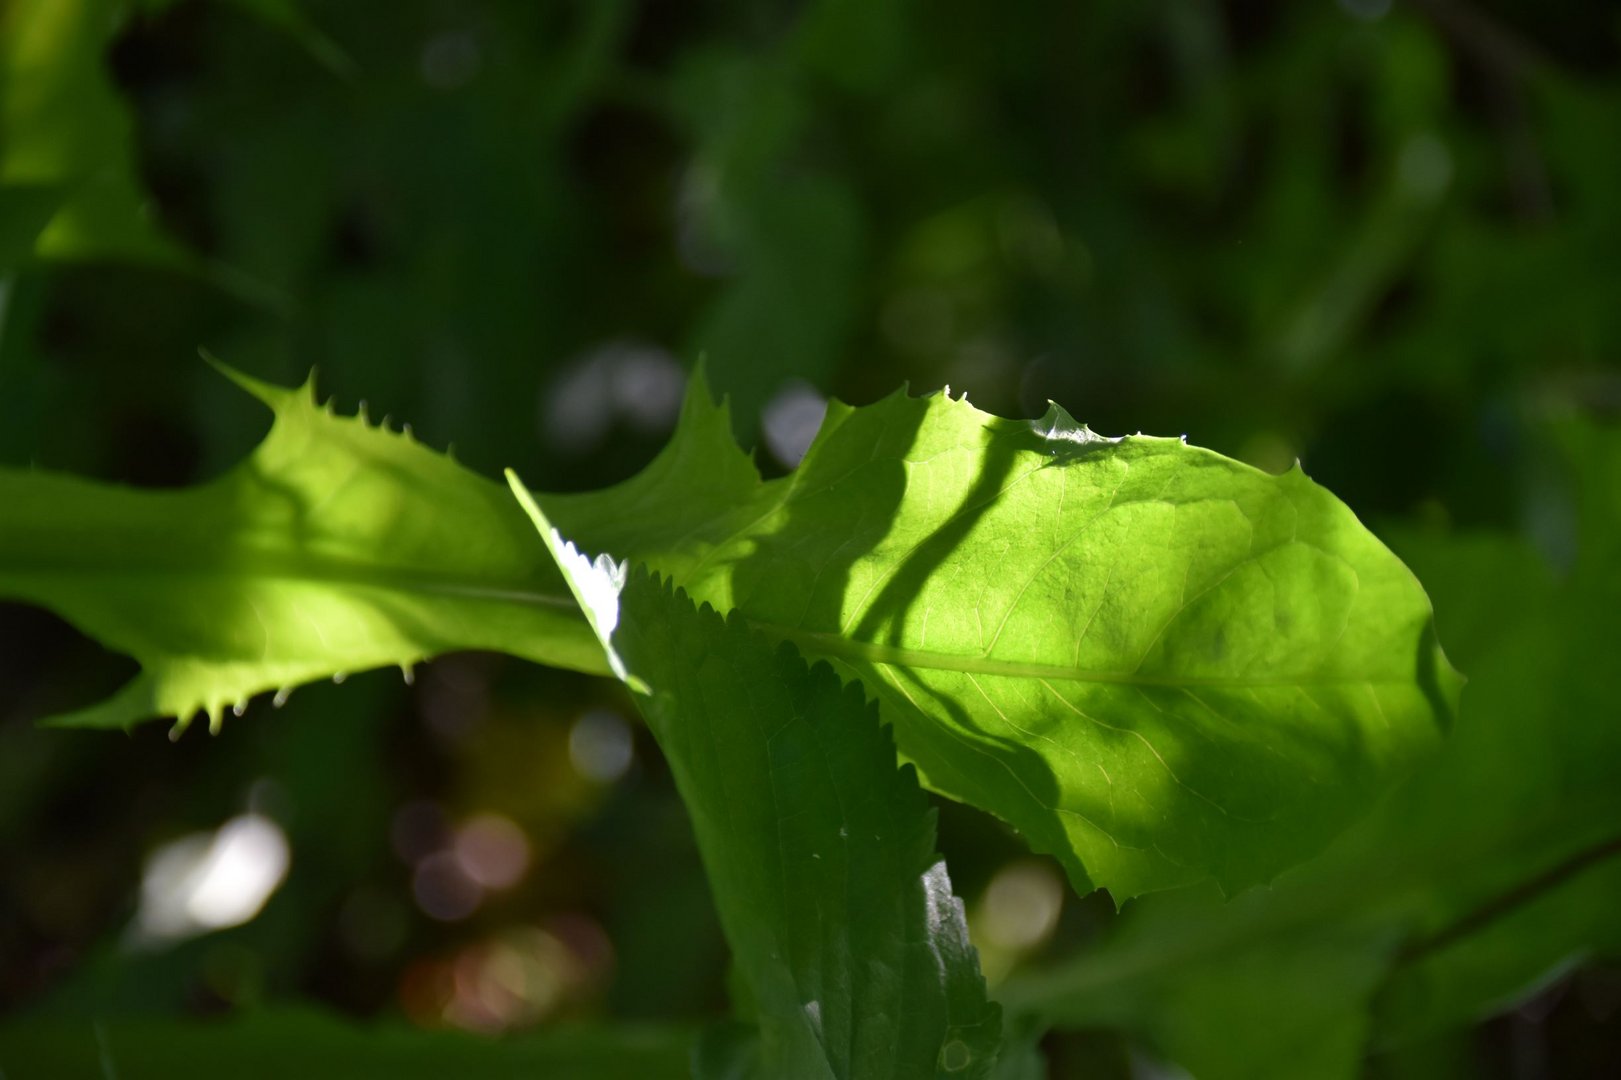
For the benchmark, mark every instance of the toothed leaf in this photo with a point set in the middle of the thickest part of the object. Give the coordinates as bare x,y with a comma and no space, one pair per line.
1157,663
336,547
819,850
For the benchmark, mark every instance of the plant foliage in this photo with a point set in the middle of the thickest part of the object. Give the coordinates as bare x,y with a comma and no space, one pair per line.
1469,884
1158,664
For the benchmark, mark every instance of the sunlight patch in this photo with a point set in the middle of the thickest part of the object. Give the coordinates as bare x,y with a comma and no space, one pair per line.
595,583
210,881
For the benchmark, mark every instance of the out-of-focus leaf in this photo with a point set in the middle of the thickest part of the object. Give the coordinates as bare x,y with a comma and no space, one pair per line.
70,188
788,242
67,132
25,210
1535,772
316,1046
820,852
1191,972
1474,881
1566,919
288,17
793,300
1021,1057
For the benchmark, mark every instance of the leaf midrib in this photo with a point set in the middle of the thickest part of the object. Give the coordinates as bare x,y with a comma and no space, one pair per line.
329,570
850,649
324,570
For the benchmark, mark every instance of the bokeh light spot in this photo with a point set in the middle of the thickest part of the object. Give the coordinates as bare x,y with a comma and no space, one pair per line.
492,851
600,746
1022,904
443,890
209,881
791,420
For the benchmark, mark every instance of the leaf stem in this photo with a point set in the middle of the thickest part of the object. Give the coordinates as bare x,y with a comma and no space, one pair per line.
1506,903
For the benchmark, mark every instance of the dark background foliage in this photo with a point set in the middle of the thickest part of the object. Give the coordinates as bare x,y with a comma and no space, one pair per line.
1378,237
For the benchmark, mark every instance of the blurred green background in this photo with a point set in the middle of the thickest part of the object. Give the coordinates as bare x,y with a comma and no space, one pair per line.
1383,238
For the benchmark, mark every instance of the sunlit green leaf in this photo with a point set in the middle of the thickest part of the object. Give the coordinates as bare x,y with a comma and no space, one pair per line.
1476,881
336,547
1156,662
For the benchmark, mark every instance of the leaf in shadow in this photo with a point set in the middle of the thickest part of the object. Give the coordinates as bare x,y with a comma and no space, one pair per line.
819,850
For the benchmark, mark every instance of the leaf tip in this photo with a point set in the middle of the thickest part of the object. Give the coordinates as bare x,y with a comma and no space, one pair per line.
266,393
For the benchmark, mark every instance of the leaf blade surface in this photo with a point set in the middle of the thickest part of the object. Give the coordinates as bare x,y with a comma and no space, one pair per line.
1157,663
1475,882
335,547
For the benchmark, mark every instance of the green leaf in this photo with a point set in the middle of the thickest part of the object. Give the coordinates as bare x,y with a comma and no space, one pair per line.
1527,807
289,18
67,134
687,506
1155,662
1189,972
1517,943
1473,883
314,1046
336,547
819,851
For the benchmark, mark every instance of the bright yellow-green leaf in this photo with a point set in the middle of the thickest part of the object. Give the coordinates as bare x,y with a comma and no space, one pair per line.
1156,662
1482,877
336,547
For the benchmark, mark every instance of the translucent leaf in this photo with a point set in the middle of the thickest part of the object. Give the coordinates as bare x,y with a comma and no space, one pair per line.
336,547
1155,662
1475,882
1158,663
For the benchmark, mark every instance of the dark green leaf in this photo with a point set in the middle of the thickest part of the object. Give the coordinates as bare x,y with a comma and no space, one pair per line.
819,851
315,1046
